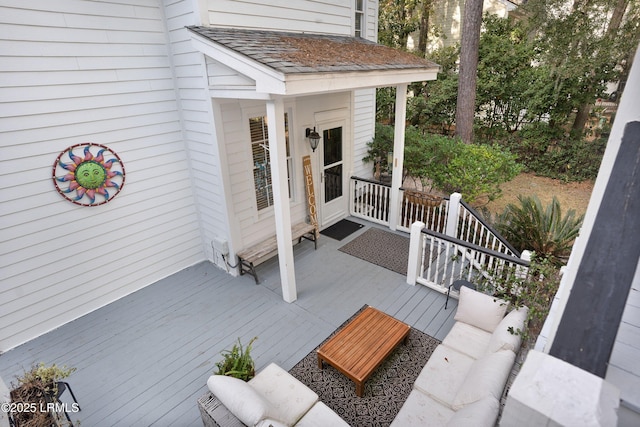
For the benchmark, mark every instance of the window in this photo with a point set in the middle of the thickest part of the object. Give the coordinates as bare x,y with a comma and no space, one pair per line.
359,19
259,132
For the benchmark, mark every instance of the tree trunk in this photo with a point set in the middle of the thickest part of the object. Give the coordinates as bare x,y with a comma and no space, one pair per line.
582,116
424,28
465,107
614,24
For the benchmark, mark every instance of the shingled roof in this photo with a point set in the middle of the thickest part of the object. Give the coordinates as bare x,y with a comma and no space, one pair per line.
295,53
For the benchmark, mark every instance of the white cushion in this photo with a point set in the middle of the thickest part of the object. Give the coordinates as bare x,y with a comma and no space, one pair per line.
487,377
480,310
502,339
320,415
482,413
289,397
270,422
420,410
468,339
443,374
240,399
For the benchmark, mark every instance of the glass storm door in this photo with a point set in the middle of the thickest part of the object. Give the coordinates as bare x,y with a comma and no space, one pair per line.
332,179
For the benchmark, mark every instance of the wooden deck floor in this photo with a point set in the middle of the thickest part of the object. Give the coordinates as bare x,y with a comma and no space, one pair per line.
144,359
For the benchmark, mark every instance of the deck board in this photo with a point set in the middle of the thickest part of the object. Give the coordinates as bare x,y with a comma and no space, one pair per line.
145,359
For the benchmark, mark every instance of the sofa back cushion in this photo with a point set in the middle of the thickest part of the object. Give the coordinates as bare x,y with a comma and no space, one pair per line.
468,339
240,398
502,339
487,377
480,310
289,397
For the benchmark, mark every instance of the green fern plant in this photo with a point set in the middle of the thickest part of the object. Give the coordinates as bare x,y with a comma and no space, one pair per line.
544,230
237,362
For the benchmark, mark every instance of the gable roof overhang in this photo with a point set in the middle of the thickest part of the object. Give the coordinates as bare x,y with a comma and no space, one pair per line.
290,64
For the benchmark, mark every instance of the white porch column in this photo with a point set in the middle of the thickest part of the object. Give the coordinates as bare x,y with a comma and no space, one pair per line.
453,216
398,154
415,252
278,159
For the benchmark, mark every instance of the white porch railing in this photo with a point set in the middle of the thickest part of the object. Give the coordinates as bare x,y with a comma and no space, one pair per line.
370,200
461,245
474,230
437,260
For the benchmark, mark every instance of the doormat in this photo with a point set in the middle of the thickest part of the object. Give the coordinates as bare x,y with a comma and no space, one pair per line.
380,247
384,392
341,229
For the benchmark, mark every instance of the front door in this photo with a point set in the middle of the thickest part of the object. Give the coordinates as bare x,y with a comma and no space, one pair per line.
332,175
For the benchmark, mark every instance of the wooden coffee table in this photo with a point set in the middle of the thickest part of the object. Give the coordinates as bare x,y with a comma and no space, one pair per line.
362,345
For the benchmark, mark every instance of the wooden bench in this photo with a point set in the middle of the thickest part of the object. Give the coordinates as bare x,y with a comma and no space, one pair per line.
250,257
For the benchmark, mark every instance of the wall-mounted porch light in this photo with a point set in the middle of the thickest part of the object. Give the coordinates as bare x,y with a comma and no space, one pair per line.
314,138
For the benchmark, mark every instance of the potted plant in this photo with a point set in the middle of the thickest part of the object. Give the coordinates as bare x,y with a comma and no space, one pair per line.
35,390
237,362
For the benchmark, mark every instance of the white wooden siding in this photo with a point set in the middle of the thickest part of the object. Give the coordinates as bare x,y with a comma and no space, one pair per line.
364,105
363,129
252,225
327,16
371,20
85,71
124,74
198,127
222,77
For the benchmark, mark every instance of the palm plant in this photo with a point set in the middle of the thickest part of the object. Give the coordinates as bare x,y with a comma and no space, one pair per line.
543,230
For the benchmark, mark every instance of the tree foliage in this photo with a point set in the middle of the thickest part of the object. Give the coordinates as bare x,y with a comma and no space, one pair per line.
397,19
538,77
583,46
559,57
512,88
433,104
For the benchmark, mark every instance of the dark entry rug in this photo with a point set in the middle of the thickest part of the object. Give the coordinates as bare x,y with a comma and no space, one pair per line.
380,247
341,229
384,392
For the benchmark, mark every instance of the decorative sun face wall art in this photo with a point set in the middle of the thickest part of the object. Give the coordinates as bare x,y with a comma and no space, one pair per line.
88,174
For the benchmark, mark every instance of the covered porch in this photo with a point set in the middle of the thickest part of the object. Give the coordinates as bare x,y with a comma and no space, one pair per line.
145,359
291,84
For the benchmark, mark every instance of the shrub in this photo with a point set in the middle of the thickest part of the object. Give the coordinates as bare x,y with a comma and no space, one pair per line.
35,389
474,170
543,230
547,152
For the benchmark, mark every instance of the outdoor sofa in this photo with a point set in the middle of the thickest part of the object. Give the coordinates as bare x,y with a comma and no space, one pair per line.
463,380
461,384
272,398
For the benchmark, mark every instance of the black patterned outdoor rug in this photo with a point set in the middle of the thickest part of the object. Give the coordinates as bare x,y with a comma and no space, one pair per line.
384,392
380,247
